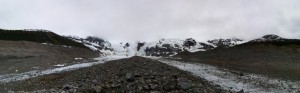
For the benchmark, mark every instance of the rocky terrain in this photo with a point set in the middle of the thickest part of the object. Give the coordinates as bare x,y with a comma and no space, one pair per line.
37,49
22,56
134,74
270,55
67,64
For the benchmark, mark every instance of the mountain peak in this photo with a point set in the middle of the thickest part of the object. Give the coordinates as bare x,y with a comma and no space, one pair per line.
226,42
271,37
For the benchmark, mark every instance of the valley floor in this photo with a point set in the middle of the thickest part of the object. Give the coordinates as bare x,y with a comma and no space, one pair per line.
135,74
138,74
236,80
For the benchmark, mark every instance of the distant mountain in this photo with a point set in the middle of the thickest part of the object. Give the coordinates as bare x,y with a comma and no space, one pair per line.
94,43
266,38
170,47
225,43
273,40
163,47
38,35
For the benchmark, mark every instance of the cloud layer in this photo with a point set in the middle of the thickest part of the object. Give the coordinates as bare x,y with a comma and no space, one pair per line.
148,20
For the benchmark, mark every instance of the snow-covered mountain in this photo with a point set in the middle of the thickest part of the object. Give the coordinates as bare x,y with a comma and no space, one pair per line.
166,47
226,42
170,47
162,47
270,37
94,43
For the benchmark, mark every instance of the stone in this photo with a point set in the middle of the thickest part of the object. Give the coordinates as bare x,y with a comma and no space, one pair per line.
241,91
68,88
152,86
115,85
146,87
94,81
155,92
129,77
41,91
137,75
52,90
98,89
166,87
184,84
152,77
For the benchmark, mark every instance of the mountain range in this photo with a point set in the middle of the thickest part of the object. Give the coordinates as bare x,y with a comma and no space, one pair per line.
162,47
222,64
171,47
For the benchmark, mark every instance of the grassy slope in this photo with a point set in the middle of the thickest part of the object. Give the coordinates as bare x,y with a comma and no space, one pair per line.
37,36
279,59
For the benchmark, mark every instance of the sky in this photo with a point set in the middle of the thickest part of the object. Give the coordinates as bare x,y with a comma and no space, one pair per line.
150,20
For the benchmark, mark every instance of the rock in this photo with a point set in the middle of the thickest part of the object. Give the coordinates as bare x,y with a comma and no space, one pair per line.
172,84
115,85
242,91
52,91
97,89
166,87
184,84
242,74
87,91
129,77
137,75
140,88
152,77
41,91
94,81
154,92
196,90
146,87
210,89
69,88
152,86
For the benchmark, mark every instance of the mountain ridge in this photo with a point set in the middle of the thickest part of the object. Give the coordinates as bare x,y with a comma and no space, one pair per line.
171,47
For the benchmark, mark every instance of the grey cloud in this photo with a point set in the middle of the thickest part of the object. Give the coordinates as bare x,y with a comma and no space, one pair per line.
148,20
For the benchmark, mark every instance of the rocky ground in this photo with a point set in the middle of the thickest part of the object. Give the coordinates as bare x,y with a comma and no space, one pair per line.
37,56
265,59
131,75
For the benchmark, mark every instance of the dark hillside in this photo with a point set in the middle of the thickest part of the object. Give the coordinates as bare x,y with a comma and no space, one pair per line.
40,36
281,42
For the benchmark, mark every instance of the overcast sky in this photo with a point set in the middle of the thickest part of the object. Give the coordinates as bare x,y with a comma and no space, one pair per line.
149,20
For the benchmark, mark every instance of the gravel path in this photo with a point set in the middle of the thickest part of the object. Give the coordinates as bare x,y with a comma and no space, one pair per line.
131,75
